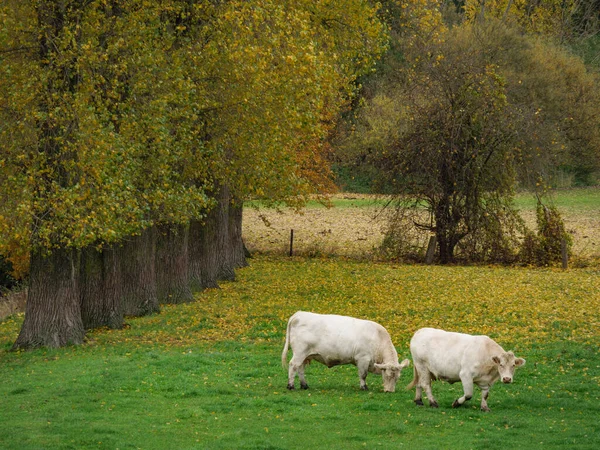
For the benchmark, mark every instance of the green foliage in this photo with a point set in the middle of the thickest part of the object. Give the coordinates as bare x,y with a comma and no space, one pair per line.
589,49
208,374
138,111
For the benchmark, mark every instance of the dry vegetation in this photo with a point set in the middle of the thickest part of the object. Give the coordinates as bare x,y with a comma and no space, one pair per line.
357,228
353,230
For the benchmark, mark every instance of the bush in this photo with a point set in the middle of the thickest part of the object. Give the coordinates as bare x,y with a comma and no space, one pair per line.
545,247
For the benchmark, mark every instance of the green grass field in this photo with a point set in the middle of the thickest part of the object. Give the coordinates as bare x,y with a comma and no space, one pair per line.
208,375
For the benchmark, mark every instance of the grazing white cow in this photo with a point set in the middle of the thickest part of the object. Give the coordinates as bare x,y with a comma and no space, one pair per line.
452,357
335,340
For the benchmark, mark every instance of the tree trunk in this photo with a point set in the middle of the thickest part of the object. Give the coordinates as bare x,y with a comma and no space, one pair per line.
203,259
52,314
224,253
445,256
236,244
100,289
138,274
172,272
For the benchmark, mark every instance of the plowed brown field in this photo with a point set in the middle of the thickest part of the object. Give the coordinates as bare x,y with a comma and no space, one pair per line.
355,230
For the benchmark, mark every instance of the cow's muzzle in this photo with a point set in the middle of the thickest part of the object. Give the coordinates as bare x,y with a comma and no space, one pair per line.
507,380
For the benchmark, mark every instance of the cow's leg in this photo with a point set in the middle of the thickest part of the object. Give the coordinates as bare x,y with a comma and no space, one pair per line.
303,384
363,371
418,388
425,383
291,375
467,382
432,401
485,392
419,395
296,365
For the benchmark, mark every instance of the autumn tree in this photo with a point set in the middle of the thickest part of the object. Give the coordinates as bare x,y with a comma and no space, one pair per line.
469,115
93,164
563,19
454,149
136,130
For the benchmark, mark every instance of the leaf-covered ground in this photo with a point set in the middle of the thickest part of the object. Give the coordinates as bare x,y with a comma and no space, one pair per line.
516,306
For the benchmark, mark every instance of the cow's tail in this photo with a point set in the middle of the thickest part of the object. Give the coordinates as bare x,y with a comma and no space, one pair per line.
415,380
284,361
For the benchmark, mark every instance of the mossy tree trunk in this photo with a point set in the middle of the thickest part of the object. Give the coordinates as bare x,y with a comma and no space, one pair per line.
237,252
203,253
223,238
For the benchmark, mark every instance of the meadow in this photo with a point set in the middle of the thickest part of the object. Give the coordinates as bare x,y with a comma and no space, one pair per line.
208,375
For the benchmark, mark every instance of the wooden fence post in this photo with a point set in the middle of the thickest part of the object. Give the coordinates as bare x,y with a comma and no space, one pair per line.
564,253
291,242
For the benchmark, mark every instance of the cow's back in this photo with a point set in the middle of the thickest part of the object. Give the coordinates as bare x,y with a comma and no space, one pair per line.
339,337
444,353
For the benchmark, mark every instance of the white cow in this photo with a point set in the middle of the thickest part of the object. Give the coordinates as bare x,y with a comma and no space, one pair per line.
335,340
452,357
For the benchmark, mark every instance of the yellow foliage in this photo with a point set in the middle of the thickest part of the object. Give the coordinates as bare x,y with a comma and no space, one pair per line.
516,306
549,17
139,109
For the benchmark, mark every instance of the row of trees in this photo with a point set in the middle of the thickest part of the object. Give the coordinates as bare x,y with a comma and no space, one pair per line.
475,100
131,132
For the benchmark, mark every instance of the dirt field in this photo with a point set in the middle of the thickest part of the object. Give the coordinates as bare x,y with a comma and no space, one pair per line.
348,231
354,231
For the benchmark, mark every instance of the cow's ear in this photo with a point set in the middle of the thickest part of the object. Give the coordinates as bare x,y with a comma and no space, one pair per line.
496,359
404,364
380,366
519,362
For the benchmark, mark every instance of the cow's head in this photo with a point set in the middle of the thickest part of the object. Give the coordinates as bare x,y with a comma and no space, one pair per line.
506,363
390,373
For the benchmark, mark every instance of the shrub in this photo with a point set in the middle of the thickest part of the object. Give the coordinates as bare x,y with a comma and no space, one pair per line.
545,247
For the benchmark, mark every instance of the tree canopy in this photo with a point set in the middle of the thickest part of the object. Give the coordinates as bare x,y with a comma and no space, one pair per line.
465,110
133,130
117,114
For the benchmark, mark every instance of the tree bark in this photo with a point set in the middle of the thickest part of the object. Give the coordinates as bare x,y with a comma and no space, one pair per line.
224,253
172,272
235,243
100,288
138,274
203,260
52,313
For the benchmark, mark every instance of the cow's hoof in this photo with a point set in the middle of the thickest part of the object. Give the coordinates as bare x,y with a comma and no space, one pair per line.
419,402
434,405
455,404
304,386
364,388
290,387
485,409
